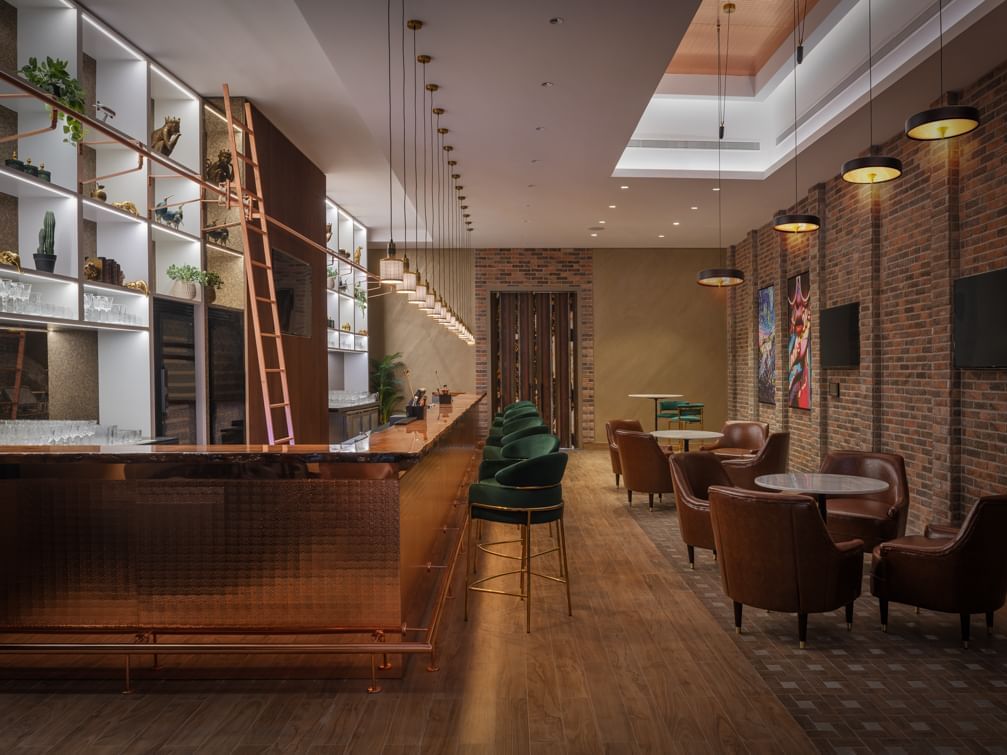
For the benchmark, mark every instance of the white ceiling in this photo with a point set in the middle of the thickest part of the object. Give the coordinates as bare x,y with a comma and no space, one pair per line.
318,70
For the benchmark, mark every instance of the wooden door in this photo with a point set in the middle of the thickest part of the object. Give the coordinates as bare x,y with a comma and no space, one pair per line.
534,356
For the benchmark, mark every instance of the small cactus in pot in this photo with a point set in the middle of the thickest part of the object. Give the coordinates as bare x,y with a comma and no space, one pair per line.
45,257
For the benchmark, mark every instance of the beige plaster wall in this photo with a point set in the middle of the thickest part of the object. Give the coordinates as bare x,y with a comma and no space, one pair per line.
657,331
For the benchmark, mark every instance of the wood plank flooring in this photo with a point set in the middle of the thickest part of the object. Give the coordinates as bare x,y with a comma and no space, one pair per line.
640,667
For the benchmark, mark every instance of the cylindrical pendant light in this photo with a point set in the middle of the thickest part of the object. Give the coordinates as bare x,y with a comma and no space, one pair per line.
720,277
790,222
873,168
390,267
408,284
946,121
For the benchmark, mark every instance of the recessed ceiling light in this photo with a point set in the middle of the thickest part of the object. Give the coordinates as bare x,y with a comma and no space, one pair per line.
540,128
694,207
534,161
602,222
623,187
716,188
611,207
594,234
675,223
556,20
547,83
660,235
531,186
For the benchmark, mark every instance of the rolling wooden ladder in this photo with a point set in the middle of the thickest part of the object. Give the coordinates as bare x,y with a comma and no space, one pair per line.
259,277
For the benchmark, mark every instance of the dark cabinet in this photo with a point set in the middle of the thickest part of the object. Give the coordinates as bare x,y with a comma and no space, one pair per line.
350,421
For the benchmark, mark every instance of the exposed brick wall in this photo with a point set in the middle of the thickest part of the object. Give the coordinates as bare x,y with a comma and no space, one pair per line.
897,249
538,270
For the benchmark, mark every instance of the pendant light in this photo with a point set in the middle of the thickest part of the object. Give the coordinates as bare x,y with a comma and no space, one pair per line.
719,277
390,268
873,168
419,296
946,121
429,298
792,222
408,285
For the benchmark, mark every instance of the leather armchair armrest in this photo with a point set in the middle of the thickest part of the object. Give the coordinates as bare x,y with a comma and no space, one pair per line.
941,531
848,546
709,446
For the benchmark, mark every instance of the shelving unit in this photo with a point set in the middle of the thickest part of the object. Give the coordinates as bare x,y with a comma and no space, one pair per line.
136,95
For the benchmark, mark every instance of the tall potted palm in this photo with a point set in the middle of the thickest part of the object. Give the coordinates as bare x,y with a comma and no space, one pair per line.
386,383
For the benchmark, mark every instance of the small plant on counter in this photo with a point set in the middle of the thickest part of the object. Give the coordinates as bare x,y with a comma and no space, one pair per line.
53,76
386,384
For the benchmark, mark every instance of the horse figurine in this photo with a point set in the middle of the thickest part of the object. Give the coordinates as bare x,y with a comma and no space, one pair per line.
166,216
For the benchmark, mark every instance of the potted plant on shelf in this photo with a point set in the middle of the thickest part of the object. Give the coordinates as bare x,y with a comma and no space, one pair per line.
332,275
185,278
53,76
211,281
45,257
385,382
360,294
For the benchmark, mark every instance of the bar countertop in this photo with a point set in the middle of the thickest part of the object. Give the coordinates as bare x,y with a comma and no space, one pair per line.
394,444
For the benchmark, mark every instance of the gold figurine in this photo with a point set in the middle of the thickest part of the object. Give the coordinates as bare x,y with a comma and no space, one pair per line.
127,206
92,269
138,285
8,257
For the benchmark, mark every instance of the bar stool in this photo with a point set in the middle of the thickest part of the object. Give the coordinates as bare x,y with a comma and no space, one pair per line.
525,493
496,452
512,426
515,413
690,413
670,410
529,447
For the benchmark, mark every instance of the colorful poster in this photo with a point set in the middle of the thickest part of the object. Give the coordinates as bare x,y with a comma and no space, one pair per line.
767,345
799,347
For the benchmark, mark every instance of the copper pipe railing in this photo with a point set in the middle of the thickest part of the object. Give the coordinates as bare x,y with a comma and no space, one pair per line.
33,132
144,151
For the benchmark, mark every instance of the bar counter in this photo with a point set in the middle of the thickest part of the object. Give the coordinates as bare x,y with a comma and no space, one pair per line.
336,540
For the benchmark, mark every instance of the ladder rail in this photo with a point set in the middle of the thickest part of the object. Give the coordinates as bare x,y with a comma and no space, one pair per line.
251,266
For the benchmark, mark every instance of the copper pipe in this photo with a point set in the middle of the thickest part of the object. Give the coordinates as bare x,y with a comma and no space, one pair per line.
96,179
35,132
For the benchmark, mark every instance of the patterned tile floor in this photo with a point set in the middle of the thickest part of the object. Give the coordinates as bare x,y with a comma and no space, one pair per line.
912,690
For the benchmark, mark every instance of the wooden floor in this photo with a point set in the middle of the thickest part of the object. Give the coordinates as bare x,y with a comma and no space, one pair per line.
640,667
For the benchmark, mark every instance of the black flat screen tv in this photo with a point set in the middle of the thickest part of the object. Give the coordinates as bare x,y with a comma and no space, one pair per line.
980,321
840,335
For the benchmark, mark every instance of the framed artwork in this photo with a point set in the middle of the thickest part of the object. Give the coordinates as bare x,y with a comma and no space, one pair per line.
799,345
767,345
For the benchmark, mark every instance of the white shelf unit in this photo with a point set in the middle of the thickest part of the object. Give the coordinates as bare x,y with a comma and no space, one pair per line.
347,341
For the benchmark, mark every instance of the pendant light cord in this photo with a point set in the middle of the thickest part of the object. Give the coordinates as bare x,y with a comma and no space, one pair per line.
870,75
405,164
391,233
797,45
940,52
416,175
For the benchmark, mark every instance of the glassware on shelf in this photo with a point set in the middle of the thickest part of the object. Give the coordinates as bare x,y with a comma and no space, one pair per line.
45,432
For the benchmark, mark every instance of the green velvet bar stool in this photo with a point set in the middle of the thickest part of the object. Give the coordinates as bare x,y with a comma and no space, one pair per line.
510,416
691,413
526,493
511,426
670,410
515,405
496,452
529,447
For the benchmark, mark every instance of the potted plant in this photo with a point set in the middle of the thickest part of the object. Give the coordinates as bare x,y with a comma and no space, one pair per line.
332,275
385,382
45,257
210,281
360,294
185,278
53,76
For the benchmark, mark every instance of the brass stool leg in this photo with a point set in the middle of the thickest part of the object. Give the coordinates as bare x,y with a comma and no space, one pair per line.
566,568
470,567
524,557
527,574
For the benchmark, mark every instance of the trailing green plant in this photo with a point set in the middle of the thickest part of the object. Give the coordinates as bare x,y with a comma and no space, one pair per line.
386,383
360,294
185,273
53,76
47,235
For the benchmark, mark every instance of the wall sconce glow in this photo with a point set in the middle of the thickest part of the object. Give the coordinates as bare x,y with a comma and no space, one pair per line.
942,122
792,223
720,277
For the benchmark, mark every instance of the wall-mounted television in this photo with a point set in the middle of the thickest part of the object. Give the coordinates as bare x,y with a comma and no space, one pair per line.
980,338
839,331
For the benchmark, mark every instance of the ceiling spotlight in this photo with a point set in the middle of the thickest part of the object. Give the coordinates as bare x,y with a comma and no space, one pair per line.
675,223
611,207
594,234
534,161
556,20
694,207
547,83
602,222
660,235
540,128
623,187
531,186
716,188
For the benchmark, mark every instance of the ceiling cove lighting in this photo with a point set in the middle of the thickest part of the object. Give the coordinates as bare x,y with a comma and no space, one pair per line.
796,222
390,269
873,168
946,121
721,277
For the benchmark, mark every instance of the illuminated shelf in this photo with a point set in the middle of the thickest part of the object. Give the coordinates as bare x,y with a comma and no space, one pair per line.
21,185
99,286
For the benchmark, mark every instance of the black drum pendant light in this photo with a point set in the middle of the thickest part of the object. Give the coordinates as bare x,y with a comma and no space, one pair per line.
946,121
872,169
720,277
794,222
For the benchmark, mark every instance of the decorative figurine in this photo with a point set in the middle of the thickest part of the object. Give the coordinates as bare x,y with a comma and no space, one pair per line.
164,139
218,236
45,257
31,170
328,232
346,327
103,111
138,285
356,255
12,258
165,216
221,169
92,268
43,174
99,193
127,207
13,163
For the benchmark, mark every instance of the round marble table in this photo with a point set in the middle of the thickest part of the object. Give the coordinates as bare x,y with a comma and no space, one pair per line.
686,435
656,397
821,485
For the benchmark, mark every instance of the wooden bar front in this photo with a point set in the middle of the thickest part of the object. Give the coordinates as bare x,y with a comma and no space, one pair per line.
353,539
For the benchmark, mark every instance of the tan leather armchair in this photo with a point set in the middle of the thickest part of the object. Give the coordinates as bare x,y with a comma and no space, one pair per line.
644,465
613,450
873,518
693,474
962,572
741,438
772,459
775,553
